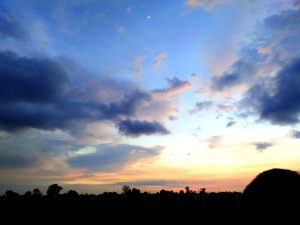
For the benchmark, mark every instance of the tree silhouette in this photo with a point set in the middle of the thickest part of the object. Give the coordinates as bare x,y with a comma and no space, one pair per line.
202,191
27,194
72,194
53,190
187,190
135,191
126,189
36,192
11,194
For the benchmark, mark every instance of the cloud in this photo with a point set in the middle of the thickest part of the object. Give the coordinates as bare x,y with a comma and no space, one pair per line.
159,58
172,118
30,80
9,27
273,44
295,134
201,106
137,128
230,123
206,4
110,157
50,94
277,99
225,107
37,144
13,161
175,86
143,183
120,29
214,141
137,65
157,109
63,99
260,146
242,71
219,83
297,2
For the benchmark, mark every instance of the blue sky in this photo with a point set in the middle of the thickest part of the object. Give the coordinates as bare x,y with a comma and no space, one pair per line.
95,94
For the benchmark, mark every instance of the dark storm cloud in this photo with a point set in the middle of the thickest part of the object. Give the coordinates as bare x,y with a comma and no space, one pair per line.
263,145
110,157
30,80
137,128
9,27
40,93
65,113
277,99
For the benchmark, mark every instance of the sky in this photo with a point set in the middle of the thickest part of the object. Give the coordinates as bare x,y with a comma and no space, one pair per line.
152,94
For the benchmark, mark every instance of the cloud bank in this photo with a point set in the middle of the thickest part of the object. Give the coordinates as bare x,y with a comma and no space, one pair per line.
109,157
44,93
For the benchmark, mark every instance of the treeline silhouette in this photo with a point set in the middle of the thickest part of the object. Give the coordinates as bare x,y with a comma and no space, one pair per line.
272,196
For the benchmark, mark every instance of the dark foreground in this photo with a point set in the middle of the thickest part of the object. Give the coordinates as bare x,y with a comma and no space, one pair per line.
140,208
273,197
112,208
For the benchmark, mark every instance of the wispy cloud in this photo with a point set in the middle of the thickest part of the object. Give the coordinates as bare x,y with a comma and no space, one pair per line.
206,4
159,58
137,66
215,141
120,29
201,106
175,86
225,107
110,157
230,123
9,27
261,146
143,183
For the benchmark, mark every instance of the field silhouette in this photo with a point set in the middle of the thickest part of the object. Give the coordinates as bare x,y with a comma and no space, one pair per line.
272,197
